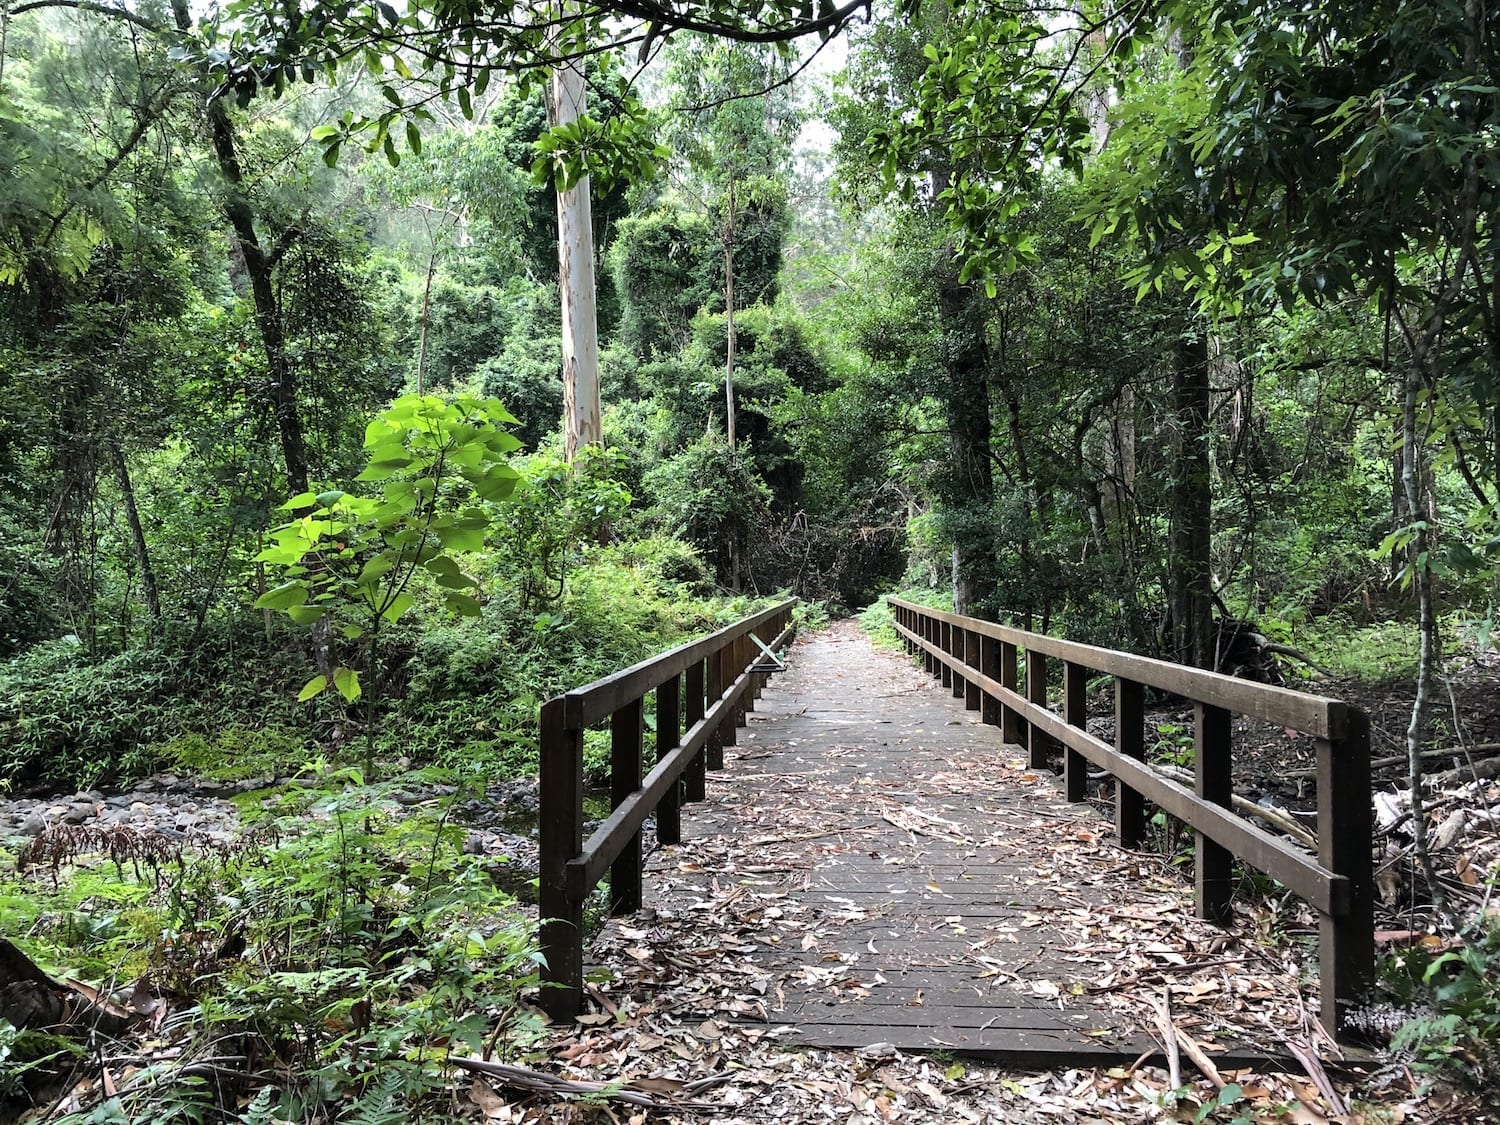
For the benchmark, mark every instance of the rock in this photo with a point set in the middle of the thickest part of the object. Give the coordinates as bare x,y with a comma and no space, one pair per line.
77,814
34,824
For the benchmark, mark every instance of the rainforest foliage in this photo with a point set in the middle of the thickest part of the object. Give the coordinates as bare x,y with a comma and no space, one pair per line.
1140,324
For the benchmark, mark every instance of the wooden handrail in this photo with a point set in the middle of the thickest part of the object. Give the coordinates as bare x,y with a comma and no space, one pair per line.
979,660
706,685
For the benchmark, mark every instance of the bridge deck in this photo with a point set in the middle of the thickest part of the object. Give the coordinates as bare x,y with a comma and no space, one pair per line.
874,866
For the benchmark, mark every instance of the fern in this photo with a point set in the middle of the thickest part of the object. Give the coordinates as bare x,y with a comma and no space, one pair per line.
383,1102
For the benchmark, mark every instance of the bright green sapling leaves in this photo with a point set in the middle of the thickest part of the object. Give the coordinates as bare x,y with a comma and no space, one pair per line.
434,467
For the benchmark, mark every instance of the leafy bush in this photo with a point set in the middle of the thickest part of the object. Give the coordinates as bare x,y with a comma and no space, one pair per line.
1459,1033
346,945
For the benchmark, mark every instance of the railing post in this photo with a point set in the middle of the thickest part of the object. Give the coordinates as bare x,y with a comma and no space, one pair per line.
1130,741
1010,721
1213,867
1346,943
694,785
735,655
719,680
1038,745
989,668
668,737
930,631
1075,713
559,839
971,660
626,743
961,652
945,673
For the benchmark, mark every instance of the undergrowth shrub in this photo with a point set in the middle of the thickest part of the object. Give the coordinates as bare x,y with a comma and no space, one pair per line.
345,944
1457,992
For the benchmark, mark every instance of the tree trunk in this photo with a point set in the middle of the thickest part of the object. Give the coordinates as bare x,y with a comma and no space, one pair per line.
968,486
1412,466
575,260
137,535
426,319
1192,506
730,339
260,268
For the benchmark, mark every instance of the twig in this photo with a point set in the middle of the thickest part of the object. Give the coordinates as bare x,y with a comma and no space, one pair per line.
1169,1038
1315,1071
1200,1059
1274,817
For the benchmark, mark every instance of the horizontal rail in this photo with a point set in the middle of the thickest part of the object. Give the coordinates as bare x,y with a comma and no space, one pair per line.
1316,715
707,686
980,661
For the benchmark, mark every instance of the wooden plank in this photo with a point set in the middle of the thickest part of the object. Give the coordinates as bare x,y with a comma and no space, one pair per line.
1318,716
1213,772
714,755
559,838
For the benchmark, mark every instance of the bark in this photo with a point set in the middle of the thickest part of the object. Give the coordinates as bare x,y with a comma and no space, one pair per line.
730,341
137,534
1189,580
575,261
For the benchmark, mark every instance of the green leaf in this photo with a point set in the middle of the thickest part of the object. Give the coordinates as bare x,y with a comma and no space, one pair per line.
307,614
313,687
460,538
463,605
398,605
301,500
283,597
414,138
347,682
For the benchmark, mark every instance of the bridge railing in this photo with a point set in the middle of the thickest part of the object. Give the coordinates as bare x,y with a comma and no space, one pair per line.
982,662
703,689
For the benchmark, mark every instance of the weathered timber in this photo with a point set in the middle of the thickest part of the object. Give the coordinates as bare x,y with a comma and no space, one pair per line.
1337,881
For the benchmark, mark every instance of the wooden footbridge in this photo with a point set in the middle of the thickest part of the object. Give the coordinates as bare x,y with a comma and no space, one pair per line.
895,857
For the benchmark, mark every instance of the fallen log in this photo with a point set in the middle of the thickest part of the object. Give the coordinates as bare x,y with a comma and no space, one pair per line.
32,1000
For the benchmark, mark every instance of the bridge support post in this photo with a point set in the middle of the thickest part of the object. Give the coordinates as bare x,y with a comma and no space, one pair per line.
1130,741
960,652
1346,942
1038,745
1075,713
989,667
1213,867
560,838
694,783
626,746
668,738
971,661
714,755
1010,721
945,673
